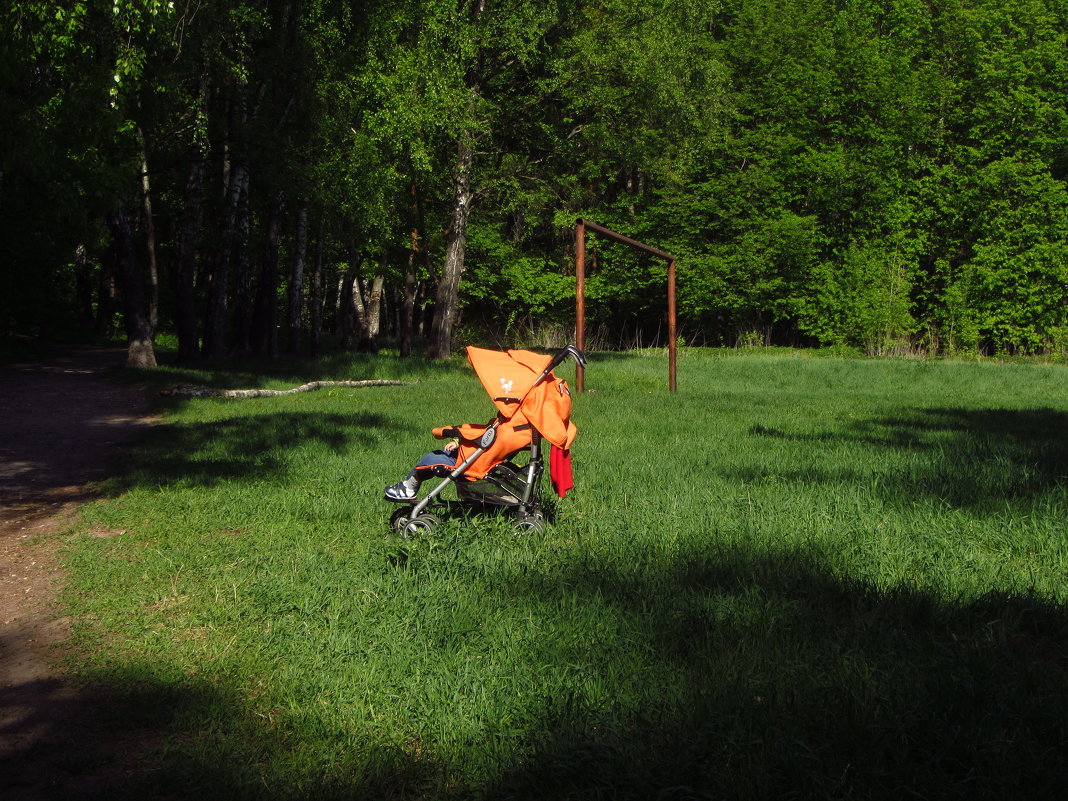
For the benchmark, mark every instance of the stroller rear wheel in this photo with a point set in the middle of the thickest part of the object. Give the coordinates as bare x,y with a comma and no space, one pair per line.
528,523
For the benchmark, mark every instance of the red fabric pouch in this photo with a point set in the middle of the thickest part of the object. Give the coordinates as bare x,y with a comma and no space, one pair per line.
560,471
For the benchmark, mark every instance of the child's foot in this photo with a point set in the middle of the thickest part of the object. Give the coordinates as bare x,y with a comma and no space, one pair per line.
404,490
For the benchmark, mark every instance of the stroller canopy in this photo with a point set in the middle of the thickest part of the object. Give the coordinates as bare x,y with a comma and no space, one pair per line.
508,378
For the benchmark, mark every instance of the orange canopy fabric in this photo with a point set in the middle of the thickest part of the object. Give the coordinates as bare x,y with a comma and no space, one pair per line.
508,376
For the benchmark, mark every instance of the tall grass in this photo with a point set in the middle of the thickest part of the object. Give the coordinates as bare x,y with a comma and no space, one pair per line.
796,578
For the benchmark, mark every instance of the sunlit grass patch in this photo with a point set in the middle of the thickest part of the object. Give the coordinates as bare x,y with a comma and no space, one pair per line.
823,577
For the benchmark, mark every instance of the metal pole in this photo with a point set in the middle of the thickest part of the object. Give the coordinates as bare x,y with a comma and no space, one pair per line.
580,300
626,240
580,292
671,326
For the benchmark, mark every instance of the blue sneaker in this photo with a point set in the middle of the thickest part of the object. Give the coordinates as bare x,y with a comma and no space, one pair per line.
403,491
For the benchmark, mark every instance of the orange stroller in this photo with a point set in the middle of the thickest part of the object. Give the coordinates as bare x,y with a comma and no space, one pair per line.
533,408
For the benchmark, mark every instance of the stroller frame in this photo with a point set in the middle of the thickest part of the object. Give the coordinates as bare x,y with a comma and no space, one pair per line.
520,487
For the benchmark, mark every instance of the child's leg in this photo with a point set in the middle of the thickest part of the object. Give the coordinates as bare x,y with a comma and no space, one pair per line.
424,469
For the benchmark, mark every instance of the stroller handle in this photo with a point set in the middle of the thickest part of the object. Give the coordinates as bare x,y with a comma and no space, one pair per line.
560,358
563,353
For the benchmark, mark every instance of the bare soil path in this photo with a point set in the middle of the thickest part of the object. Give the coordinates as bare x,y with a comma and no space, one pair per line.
62,425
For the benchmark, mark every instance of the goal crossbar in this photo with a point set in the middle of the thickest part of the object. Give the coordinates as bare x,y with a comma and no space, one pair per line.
581,227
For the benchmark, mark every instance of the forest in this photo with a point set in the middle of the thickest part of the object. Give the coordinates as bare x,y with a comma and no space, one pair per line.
267,176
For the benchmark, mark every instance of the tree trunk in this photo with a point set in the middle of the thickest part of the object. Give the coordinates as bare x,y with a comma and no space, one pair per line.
346,310
296,279
315,335
185,312
407,319
83,282
359,308
243,278
445,312
374,303
219,281
140,352
149,222
265,319
407,315
108,293
353,317
184,273
424,309
339,303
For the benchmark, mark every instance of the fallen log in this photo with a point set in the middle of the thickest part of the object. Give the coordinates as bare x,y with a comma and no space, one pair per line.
193,391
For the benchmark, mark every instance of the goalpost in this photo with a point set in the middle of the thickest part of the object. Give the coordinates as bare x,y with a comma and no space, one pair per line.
580,292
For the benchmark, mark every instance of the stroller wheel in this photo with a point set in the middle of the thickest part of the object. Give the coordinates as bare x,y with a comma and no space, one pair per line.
420,524
399,519
528,523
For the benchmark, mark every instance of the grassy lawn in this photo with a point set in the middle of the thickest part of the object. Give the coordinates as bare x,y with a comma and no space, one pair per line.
800,577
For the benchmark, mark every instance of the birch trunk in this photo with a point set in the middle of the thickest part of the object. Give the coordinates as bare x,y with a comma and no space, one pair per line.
185,312
149,223
374,305
353,315
243,278
296,279
407,317
339,303
265,320
445,312
184,274
219,282
407,312
315,335
346,310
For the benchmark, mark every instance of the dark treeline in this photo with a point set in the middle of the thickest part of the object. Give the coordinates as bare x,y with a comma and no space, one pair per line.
250,176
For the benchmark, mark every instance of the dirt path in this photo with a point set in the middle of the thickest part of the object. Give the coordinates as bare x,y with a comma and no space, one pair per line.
62,423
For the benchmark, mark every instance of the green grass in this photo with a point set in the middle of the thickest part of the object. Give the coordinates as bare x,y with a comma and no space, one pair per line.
796,578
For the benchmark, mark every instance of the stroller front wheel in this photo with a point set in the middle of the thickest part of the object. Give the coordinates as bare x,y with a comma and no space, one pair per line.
420,524
399,519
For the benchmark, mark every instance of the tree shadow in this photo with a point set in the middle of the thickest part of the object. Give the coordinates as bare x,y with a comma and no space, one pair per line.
133,734
713,675
244,372
970,458
249,446
739,677
60,426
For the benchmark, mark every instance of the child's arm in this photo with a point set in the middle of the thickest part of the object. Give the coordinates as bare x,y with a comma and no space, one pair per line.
448,431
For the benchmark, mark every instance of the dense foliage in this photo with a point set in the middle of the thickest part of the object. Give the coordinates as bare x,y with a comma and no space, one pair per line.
887,174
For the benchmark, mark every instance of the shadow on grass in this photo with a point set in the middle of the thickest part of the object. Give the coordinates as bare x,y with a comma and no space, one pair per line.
255,372
132,735
718,675
729,676
250,446
975,457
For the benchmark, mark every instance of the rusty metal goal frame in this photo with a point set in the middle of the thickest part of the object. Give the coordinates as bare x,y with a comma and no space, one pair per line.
581,227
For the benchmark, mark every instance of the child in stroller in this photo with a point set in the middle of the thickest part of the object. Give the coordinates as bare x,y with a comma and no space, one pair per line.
429,464
532,405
